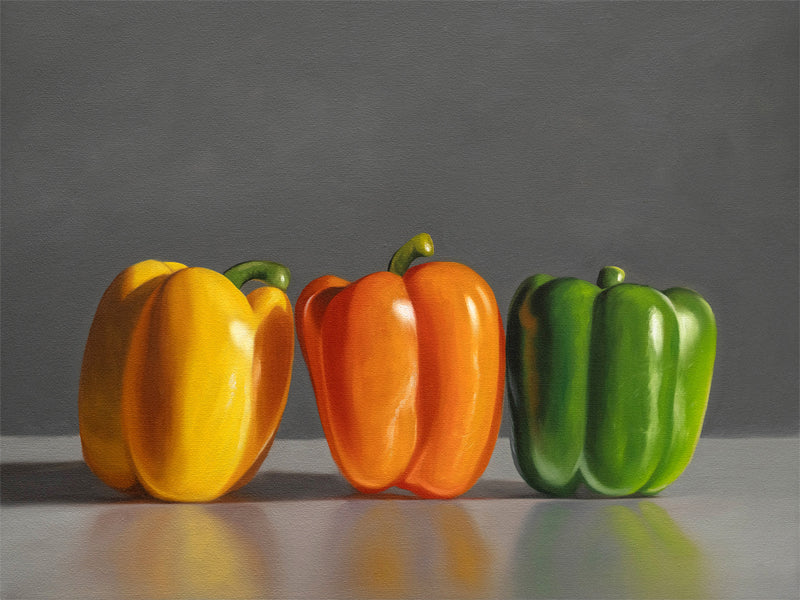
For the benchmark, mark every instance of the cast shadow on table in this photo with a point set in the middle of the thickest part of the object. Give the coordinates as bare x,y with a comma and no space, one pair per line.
73,483
54,482
278,485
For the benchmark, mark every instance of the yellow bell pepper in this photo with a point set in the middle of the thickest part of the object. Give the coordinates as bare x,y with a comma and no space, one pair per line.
184,378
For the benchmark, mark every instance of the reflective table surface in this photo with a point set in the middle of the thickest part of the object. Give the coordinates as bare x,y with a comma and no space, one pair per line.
728,528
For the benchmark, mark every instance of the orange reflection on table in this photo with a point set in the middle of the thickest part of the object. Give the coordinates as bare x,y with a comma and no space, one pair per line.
394,548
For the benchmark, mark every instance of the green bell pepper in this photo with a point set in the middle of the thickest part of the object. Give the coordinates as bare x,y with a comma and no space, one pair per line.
608,384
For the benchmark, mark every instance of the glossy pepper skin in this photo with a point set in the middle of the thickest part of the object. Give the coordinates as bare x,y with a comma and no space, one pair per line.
608,384
184,378
408,370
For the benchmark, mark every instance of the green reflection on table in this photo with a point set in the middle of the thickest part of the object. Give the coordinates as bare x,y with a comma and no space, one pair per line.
602,549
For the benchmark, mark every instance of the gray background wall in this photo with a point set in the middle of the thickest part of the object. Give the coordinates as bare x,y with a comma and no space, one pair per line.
524,137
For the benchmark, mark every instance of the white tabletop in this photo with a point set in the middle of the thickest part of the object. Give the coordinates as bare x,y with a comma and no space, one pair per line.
728,528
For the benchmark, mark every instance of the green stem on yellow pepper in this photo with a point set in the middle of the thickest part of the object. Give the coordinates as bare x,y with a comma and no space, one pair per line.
271,273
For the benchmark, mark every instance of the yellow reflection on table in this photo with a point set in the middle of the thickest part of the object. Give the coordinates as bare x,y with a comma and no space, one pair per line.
176,551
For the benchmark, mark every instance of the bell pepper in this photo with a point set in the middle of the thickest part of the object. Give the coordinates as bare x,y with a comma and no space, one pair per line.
408,368
608,384
184,379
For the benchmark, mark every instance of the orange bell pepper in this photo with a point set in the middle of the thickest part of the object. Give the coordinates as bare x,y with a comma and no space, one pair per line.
184,379
408,371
